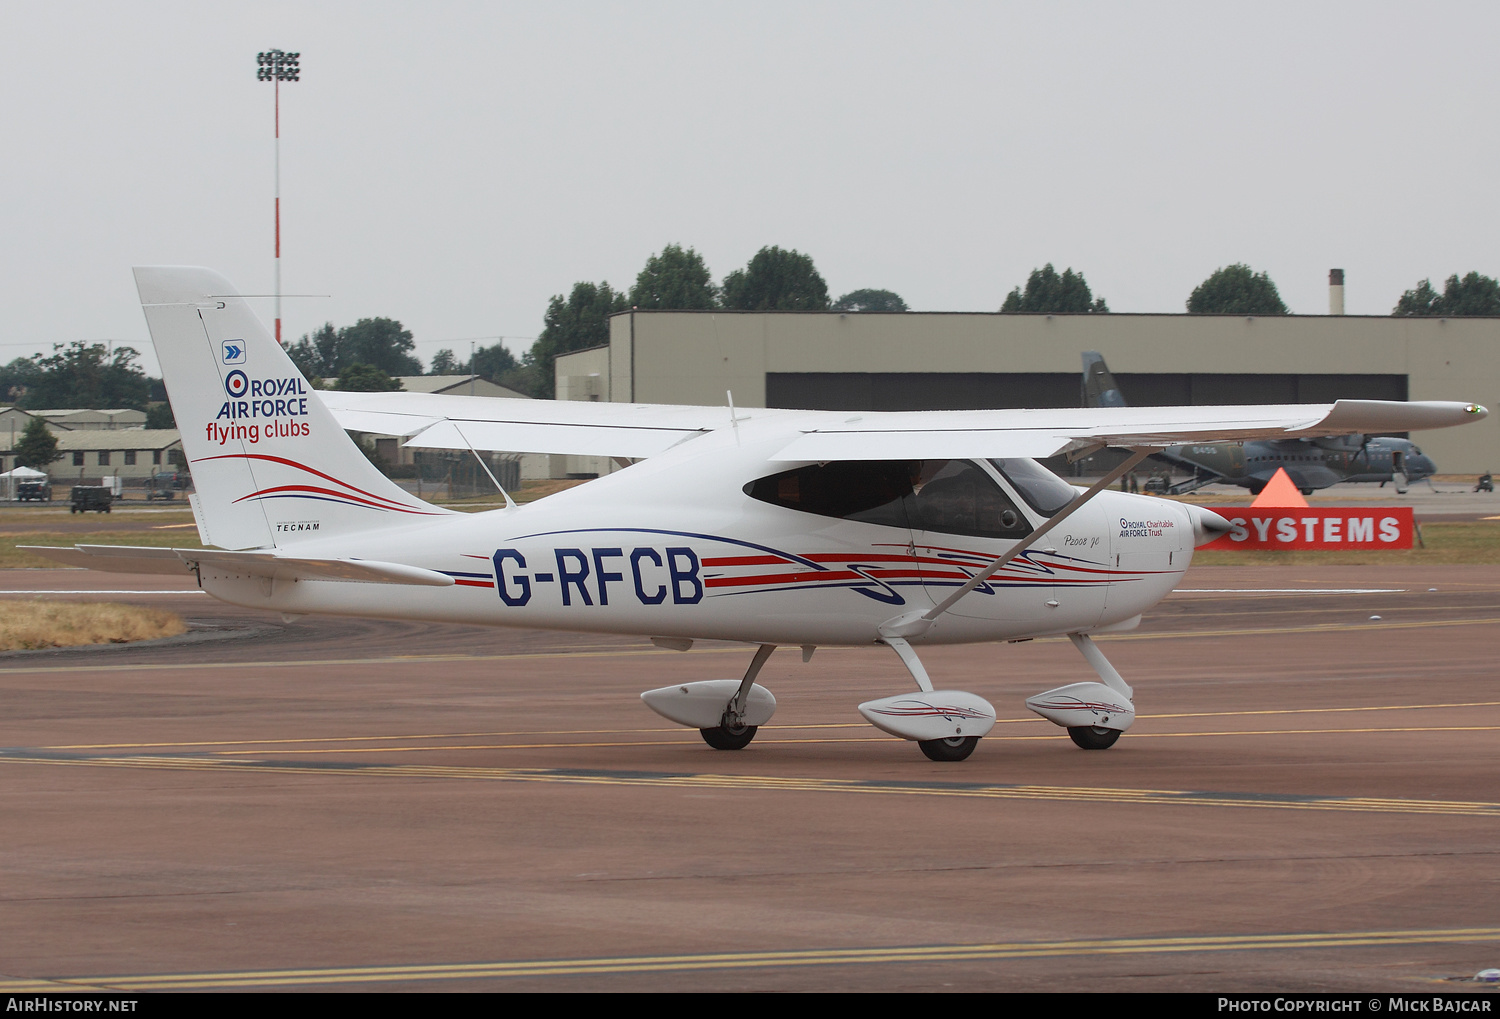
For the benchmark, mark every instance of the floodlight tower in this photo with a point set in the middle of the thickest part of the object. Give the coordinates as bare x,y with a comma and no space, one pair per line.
276,66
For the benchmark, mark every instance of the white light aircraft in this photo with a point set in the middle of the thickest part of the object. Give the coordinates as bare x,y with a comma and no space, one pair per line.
771,527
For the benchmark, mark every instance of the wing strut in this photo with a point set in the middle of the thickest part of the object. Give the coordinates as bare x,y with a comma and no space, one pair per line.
509,502
914,624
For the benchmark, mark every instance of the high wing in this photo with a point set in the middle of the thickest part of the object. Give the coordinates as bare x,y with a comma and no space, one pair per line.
430,421
433,421
1043,433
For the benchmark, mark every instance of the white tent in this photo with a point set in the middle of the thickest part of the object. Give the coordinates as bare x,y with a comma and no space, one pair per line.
19,474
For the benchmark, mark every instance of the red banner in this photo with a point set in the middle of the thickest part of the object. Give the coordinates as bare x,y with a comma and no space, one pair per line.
1288,527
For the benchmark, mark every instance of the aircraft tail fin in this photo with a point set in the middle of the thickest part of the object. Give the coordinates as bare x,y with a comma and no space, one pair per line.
271,465
1099,387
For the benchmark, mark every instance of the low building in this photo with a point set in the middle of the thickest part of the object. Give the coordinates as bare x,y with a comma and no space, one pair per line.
13,424
457,385
93,420
583,375
89,456
958,360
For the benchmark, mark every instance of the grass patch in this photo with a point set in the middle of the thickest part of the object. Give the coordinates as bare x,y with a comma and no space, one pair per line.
33,513
26,625
12,558
1458,542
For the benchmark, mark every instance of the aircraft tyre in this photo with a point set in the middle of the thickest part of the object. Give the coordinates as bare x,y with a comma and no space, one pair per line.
722,737
955,748
1093,737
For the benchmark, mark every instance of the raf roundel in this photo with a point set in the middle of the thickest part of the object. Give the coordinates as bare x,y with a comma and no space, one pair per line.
236,384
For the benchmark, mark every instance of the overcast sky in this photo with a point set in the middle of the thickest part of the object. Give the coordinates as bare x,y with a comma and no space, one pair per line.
453,165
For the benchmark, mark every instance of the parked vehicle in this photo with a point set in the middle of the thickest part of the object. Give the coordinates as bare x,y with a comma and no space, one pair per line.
158,488
34,491
92,497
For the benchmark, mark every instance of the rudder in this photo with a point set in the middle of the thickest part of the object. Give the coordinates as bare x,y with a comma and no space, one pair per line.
1099,387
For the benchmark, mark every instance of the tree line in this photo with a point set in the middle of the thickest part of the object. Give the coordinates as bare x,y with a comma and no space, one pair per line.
1239,290
674,279
85,375
778,279
373,353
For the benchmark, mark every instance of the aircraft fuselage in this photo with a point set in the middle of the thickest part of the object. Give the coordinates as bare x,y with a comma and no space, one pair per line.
622,554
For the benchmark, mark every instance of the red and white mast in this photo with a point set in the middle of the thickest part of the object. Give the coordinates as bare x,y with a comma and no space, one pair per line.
276,66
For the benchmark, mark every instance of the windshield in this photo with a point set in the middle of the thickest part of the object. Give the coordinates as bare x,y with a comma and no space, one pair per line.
1043,491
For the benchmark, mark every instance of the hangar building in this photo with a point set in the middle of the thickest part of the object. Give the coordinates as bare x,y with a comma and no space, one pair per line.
960,360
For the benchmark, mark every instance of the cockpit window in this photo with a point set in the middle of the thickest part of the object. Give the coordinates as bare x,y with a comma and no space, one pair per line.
958,497
1043,491
871,491
951,496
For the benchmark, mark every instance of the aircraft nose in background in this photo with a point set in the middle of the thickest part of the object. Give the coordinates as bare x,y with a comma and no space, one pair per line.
1207,525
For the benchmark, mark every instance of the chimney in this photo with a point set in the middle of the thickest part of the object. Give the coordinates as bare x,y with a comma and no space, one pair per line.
1335,291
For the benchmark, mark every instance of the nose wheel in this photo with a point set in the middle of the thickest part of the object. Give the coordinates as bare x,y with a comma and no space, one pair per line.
955,748
945,724
1093,737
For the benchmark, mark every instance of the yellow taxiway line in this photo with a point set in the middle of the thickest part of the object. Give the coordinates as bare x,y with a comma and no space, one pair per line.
763,960
1050,733
636,651
268,744
689,780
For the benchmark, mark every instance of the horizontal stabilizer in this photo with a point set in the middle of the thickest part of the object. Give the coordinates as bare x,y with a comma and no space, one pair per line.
115,558
126,559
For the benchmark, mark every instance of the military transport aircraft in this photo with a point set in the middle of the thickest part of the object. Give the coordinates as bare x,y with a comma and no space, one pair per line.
771,527
1310,463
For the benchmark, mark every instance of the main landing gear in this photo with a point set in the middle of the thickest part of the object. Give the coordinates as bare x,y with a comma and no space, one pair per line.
1093,713
729,737
954,748
945,724
726,712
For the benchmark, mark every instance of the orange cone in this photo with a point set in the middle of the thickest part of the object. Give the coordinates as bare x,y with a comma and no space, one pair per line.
1279,491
